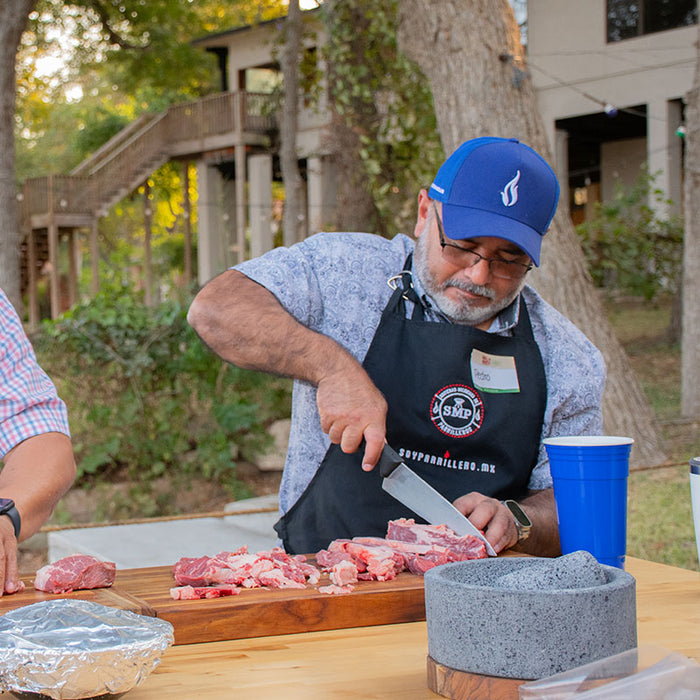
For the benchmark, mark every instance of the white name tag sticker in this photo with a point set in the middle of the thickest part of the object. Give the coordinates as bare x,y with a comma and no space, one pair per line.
494,374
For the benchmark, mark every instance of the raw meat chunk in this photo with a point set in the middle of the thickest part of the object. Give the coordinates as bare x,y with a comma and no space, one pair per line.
273,569
198,592
464,547
344,573
73,573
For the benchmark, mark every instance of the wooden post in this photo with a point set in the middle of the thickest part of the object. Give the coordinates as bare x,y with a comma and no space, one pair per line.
187,215
32,280
72,269
147,221
53,252
240,157
94,258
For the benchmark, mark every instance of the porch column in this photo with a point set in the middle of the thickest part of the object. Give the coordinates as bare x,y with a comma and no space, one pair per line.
260,206
241,224
211,254
664,152
321,191
560,165
229,216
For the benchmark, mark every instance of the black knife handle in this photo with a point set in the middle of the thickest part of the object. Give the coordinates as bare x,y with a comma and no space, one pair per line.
388,461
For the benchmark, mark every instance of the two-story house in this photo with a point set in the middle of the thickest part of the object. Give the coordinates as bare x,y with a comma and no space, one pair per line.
610,77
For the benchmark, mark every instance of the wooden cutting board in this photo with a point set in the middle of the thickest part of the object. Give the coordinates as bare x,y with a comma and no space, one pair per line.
260,612
254,612
104,596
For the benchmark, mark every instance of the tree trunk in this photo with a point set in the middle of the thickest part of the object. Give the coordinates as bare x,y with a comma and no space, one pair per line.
690,340
288,128
13,19
471,53
354,209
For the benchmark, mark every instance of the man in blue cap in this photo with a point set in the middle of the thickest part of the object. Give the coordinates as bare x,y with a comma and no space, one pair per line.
437,347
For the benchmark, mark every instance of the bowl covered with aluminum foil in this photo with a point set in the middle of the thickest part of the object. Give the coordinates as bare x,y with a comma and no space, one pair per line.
71,649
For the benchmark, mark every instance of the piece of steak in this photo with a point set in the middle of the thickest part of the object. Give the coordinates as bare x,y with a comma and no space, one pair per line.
271,569
73,573
375,559
461,548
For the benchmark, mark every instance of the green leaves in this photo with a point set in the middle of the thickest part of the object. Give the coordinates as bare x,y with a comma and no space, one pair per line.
629,247
383,97
145,396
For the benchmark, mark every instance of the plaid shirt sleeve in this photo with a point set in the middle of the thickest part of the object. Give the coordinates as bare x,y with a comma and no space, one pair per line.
29,404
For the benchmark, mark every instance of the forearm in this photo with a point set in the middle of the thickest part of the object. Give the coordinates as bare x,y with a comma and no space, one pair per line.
540,507
36,473
245,325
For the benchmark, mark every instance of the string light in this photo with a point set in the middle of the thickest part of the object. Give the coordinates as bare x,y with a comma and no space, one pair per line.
609,109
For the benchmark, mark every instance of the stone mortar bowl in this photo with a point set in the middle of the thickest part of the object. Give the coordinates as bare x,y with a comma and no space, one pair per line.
528,617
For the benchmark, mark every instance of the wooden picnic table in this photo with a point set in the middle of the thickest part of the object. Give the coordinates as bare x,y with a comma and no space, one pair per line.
383,661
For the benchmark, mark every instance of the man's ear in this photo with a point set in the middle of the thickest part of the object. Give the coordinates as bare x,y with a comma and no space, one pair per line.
423,212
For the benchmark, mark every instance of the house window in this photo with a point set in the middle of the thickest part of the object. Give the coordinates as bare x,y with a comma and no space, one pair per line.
630,18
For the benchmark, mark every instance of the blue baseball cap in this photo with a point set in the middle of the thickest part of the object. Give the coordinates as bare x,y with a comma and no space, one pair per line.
497,187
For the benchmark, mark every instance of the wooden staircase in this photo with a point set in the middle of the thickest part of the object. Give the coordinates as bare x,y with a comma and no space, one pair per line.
183,132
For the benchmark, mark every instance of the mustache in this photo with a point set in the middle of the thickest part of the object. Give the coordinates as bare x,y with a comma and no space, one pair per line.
478,289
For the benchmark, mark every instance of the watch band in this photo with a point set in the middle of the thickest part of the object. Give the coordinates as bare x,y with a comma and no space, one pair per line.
13,514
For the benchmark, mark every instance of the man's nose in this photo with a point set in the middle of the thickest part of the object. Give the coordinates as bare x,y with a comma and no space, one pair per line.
479,272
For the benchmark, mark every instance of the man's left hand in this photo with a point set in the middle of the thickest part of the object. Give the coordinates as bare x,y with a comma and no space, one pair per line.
491,517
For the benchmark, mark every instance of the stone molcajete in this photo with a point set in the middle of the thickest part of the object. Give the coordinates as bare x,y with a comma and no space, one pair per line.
528,618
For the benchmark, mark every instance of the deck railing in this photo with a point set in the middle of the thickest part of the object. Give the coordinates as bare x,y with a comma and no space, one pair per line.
123,165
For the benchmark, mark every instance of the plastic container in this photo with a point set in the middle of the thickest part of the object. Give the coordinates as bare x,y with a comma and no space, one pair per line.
644,673
590,489
695,497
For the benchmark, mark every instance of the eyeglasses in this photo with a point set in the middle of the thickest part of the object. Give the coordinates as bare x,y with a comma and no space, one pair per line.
465,257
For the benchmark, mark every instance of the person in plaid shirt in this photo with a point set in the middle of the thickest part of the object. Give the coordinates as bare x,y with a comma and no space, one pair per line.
35,444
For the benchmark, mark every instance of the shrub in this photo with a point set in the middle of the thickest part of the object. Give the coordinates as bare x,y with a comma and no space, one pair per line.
146,396
630,248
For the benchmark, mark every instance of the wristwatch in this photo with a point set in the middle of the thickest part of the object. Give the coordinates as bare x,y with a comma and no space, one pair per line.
522,522
7,507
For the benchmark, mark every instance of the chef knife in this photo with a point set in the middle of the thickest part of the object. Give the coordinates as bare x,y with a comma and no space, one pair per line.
407,487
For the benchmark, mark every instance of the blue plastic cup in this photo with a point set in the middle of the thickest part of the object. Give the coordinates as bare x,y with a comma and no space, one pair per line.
590,489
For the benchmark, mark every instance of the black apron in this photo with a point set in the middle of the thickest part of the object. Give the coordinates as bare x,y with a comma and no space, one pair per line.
458,437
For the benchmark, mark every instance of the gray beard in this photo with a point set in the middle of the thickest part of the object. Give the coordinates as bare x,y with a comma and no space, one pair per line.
464,312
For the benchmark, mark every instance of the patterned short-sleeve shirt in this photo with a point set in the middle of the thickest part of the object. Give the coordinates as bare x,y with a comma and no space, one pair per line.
336,284
29,404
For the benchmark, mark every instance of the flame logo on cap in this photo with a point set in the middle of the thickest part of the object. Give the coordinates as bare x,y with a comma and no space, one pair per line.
510,191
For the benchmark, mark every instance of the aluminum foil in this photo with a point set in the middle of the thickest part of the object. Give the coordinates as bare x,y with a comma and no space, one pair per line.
70,649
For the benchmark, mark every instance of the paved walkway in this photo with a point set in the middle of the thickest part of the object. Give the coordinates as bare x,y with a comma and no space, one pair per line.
163,543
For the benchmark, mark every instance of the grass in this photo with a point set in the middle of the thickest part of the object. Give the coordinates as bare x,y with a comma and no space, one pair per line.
659,517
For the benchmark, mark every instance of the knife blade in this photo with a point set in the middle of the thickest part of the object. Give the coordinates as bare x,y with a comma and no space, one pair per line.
406,486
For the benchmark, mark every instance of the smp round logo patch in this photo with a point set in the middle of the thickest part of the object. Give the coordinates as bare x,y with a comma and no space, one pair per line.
457,410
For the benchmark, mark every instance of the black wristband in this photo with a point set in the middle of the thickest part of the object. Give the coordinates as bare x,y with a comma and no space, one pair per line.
9,509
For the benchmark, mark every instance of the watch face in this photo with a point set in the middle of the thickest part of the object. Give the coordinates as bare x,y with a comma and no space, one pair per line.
6,504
